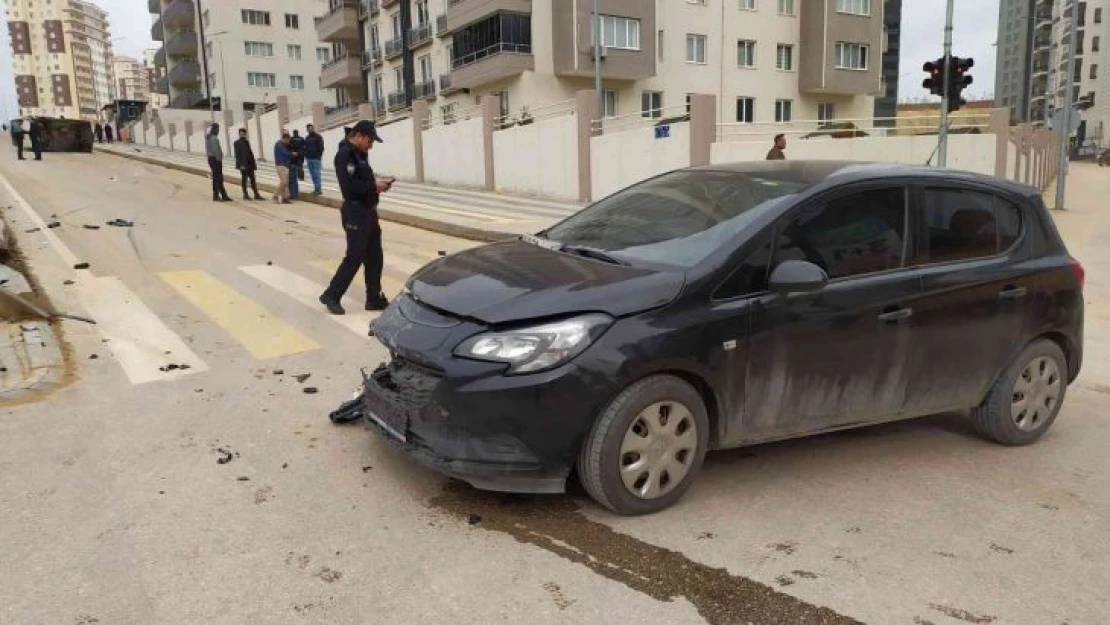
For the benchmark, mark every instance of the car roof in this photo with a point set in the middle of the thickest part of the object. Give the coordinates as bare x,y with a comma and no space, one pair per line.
814,173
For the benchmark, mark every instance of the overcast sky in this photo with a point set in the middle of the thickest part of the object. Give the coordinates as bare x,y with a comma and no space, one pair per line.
975,26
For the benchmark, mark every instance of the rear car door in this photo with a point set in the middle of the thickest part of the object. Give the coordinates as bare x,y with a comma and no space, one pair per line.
977,272
837,356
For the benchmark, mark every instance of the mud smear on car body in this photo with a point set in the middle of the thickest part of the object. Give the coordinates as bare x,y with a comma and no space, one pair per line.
556,525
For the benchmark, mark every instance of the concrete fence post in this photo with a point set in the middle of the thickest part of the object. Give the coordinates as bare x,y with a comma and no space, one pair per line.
420,112
703,128
491,112
586,111
999,124
173,131
319,114
262,149
229,121
365,111
188,135
283,113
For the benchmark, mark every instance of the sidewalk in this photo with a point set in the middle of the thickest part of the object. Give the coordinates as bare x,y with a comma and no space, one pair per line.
474,215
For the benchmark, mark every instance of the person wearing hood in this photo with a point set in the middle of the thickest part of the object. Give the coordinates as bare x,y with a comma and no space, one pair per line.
216,163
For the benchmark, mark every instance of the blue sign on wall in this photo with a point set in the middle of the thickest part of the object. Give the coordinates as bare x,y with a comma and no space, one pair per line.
663,132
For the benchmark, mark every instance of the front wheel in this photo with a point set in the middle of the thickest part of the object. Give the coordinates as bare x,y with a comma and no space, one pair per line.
646,448
1026,398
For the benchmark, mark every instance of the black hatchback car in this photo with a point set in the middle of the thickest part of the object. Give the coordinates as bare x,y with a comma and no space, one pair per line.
722,306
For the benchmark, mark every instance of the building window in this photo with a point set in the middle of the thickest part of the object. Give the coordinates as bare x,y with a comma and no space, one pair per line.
323,55
292,20
1094,72
261,79
422,15
296,83
399,79
426,74
785,57
854,7
659,46
448,113
651,104
256,18
826,111
851,56
786,7
610,100
502,32
695,49
258,48
745,53
294,51
1098,16
747,5
784,110
1095,41
745,110
622,33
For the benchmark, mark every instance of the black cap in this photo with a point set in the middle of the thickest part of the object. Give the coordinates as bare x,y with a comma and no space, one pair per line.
366,127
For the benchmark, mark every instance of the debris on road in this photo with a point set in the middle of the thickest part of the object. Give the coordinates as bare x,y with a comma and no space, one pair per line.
81,266
302,377
174,367
243,478
348,411
54,224
226,455
285,465
91,227
442,253
474,519
121,223
69,282
367,468
279,371
311,390
93,357
33,230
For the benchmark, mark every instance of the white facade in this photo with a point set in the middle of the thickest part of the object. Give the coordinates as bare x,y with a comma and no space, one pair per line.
1092,64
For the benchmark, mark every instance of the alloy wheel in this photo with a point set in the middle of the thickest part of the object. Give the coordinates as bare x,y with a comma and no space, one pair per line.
658,449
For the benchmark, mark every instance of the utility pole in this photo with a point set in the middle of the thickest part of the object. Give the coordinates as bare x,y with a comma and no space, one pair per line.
942,146
1069,108
597,64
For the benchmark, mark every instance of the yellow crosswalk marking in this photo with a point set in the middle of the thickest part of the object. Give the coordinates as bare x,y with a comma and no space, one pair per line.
262,334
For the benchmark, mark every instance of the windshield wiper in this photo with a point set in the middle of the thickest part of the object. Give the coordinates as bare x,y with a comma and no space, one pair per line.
593,252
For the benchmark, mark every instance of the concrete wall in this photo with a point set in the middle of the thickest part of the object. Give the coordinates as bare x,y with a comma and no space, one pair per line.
623,158
397,155
968,152
538,159
455,154
271,132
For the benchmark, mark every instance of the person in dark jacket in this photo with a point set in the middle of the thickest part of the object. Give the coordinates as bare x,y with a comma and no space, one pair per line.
296,143
108,132
98,130
361,192
35,130
283,161
17,137
314,154
245,163
215,161
344,143
776,151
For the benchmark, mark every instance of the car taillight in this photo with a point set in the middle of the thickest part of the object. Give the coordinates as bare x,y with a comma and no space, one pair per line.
1080,273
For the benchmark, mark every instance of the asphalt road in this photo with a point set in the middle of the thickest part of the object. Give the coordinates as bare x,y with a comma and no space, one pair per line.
221,493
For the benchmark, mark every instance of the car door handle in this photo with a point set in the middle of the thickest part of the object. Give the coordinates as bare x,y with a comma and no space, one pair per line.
896,315
1013,292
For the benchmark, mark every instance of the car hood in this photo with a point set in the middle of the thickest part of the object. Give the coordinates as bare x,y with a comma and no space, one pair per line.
516,281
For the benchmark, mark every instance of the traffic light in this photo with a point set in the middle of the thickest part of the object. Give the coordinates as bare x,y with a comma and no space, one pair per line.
935,82
958,80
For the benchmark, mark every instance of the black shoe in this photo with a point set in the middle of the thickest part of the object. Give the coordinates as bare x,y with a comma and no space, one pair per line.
259,198
377,303
246,197
333,306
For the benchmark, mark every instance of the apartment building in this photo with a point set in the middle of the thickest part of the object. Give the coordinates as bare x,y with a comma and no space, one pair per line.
886,105
1090,84
155,100
243,53
61,57
1014,61
767,60
131,79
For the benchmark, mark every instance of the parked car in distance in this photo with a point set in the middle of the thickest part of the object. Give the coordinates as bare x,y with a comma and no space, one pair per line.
729,305
1104,158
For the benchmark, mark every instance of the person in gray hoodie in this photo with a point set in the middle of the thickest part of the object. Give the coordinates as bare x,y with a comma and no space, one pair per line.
216,163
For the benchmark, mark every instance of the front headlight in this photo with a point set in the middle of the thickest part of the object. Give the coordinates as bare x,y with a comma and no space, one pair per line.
535,348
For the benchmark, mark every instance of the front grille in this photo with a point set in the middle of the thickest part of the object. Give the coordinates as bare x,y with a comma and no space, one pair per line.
407,383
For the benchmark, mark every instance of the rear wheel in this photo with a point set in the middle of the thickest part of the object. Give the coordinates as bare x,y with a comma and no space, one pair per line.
1026,398
646,448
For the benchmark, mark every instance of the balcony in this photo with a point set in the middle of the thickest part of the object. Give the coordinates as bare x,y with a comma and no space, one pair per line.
154,6
378,108
187,100
341,22
342,71
420,35
160,58
185,74
162,86
446,86
339,116
497,62
156,31
367,8
441,26
463,12
388,3
424,90
182,43
397,101
179,14
394,48
371,58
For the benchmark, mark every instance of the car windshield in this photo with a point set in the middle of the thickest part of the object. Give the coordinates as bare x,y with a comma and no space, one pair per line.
677,219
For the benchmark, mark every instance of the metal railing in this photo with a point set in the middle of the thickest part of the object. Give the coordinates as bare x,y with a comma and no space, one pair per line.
441,25
494,50
641,119
422,90
397,101
903,126
339,116
366,8
394,47
445,83
178,10
528,115
451,116
371,57
342,58
420,35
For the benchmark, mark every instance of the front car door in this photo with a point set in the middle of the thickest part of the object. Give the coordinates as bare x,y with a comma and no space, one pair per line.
977,272
838,356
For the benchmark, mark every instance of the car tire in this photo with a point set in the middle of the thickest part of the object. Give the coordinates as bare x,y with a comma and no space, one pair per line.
624,424
1038,374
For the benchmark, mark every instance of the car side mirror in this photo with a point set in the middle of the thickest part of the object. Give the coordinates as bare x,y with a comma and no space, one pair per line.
797,276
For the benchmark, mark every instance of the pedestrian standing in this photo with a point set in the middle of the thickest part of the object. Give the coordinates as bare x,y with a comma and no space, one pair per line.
775,153
215,161
314,154
35,129
283,160
108,132
361,191
17,137
296,145
245,163
98,130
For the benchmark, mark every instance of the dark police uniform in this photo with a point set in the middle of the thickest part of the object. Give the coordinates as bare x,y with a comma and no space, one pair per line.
360,222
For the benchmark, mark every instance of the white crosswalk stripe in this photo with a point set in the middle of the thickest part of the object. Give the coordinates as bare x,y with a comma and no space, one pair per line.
306,292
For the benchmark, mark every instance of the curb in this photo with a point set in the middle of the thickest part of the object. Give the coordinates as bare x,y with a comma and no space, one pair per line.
470,233
31,360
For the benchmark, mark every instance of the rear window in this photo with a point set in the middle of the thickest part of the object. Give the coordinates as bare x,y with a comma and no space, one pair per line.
962,224
677,219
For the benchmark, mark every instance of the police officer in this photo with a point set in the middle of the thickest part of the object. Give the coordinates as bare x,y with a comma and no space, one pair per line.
361,191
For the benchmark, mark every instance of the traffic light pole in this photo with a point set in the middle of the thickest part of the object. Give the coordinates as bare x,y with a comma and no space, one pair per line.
942,146
1069,109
